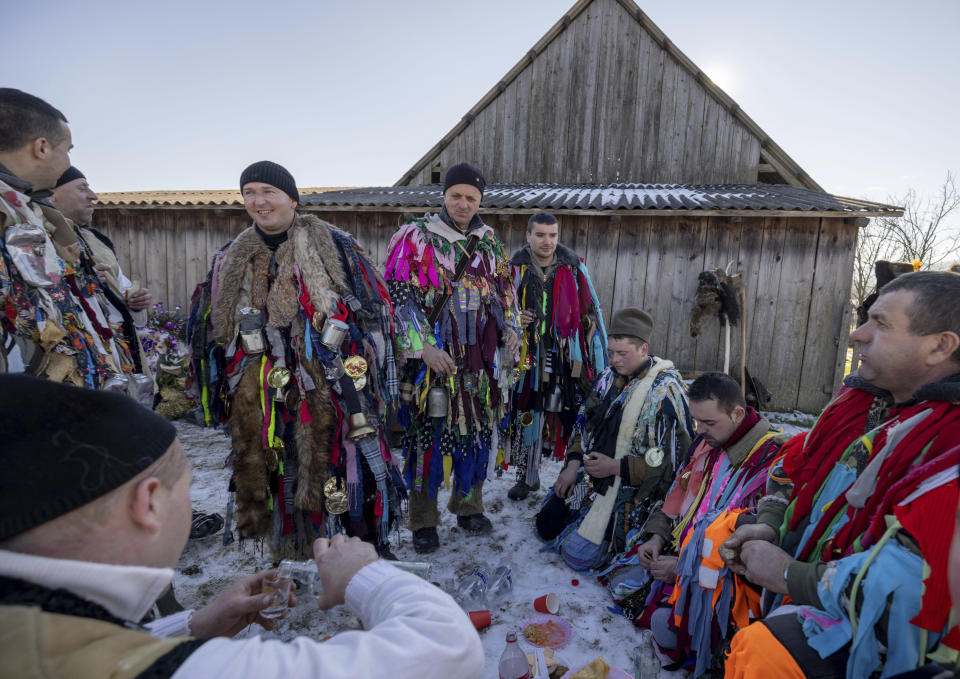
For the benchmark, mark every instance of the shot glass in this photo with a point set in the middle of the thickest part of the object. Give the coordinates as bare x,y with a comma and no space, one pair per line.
279,586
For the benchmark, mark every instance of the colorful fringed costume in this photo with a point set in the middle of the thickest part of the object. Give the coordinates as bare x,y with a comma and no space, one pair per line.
291,435
644,422
480,309
561,354
714,481
869,523
52,302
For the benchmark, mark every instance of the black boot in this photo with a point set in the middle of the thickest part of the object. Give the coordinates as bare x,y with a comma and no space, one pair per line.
475,523
425,540
519,491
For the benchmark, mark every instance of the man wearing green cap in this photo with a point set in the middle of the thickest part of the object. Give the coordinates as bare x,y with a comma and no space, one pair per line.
625,447
94,514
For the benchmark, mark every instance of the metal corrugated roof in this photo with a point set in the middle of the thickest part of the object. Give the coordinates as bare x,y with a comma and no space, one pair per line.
612,197
225,198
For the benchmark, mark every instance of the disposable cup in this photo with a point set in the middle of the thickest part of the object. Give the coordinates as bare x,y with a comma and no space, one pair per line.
480,619
548,603
280,588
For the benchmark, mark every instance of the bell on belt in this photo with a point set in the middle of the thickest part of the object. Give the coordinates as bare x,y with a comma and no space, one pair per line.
356,368
554,402
526,419
360,427
437,402
279,378
333,333
337,502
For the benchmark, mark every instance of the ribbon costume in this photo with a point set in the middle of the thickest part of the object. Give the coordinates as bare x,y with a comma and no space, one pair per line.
453,425
561,353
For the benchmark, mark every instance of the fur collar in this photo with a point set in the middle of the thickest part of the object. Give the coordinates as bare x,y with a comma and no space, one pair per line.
564,256
309,246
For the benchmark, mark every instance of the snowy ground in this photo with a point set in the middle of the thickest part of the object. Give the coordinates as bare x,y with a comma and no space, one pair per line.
206,566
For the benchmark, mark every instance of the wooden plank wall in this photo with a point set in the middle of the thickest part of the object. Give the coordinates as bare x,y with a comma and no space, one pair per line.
605,103
797,278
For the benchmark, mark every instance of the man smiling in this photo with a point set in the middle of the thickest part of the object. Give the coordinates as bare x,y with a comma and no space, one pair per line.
296,418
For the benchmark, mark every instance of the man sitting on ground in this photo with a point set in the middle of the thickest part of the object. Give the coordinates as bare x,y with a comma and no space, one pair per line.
852,531
725,475
629,436
94,513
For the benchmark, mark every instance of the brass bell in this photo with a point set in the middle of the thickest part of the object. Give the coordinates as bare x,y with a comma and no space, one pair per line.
272,455
526,419
335,490
278,377
360,427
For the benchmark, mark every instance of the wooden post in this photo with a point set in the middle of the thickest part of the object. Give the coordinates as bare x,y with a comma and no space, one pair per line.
743,340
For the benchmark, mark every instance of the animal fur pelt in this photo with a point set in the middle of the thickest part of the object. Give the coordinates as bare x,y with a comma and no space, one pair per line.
243,281
716,296
884,272
249,470
244,278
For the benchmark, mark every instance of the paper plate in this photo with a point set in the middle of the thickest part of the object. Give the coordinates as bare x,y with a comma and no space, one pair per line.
612,673
558,629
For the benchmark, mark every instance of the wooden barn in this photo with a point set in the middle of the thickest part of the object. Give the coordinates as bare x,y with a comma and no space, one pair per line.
654,173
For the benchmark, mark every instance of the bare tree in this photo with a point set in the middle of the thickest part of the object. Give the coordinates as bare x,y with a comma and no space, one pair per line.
874,243
925,231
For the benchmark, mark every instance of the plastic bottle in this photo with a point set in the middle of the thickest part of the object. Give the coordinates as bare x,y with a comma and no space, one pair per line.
472,588
500,582
513,662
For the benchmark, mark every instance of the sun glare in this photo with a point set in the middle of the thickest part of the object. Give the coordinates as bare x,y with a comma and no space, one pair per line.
721,75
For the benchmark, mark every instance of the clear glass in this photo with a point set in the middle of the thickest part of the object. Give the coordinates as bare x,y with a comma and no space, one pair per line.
279,586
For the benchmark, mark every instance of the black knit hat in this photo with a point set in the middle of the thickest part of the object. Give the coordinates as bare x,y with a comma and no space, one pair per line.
464,173
68,176
62,447
273,174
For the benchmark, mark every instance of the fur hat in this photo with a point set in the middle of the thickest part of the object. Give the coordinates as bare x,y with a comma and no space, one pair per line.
464,173
65,447
273,174
632,322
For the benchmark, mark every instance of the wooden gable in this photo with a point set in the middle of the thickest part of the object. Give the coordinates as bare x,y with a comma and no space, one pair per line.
604,97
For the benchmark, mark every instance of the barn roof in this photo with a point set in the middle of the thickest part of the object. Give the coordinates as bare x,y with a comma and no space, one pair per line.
577,61
645,198
200,198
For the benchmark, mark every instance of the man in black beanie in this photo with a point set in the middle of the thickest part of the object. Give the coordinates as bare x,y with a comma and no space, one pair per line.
461,347
94,513
124,301
296,420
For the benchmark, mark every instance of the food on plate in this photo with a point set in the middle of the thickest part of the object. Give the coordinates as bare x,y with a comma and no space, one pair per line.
554,669
546,633
596,670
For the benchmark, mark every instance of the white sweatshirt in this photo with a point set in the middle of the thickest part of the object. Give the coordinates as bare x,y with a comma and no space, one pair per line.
413,630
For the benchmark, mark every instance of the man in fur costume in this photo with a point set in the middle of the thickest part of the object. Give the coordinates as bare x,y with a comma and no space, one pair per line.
51,305
562,350
457,324
628,440
305,404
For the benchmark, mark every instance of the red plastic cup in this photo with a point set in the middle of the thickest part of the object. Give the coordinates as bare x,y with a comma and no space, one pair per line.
480,619
548,603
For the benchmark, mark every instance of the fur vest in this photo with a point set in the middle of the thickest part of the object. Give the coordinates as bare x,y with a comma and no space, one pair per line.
244,281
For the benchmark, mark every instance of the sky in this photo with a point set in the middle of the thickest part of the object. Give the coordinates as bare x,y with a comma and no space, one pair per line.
863,94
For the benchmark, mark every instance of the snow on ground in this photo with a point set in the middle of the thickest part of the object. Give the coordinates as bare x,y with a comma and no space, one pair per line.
207,566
